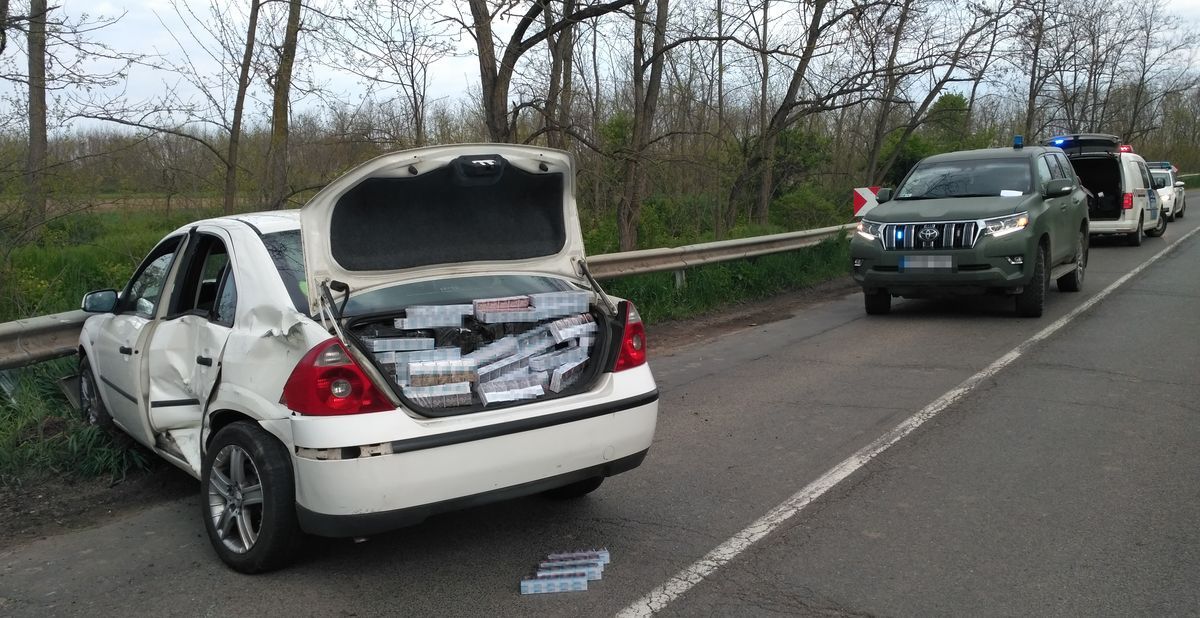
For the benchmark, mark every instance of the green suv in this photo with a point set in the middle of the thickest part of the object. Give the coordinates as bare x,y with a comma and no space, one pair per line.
998,221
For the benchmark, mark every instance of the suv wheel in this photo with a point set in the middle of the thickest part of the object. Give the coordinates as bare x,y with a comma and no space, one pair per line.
877,302
1032,299
248,499
1073,281
1159,229
1182,207
1134,238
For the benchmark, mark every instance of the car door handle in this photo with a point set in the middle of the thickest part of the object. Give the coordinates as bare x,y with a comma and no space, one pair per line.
126,350
204,360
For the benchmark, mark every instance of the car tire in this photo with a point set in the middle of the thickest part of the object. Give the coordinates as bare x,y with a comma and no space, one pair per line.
1032,300
91,406
1182,207
877,302
1073,281
1134,238
577,489
248,499
1159,229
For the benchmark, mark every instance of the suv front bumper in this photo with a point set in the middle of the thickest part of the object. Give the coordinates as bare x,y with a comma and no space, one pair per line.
989,265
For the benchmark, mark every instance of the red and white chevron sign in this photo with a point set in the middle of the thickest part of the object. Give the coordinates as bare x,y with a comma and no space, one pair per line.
864,200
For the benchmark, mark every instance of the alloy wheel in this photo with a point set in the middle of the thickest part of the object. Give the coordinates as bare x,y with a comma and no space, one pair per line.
235,498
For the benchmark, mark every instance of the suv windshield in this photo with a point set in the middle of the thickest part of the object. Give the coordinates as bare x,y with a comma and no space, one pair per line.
1164,175
967,178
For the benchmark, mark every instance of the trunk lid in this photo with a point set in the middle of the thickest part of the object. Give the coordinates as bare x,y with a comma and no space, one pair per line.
442,211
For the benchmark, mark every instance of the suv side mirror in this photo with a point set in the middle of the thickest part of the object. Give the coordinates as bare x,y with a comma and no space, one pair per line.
99,301
884,195
1057,187
1180,184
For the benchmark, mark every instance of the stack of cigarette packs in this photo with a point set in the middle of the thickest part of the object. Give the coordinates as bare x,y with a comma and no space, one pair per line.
548,353
566,572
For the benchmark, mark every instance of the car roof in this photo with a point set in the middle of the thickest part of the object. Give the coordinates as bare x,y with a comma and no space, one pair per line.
991,153
266,222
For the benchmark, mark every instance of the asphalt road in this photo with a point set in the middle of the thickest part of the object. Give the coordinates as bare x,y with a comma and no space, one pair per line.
1066,483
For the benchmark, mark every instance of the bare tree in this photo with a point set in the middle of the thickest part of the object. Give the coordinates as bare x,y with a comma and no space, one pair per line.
277,151
647,82
35,191
496,72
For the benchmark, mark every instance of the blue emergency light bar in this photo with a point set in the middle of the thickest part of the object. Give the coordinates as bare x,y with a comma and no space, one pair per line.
1159,165
1018,142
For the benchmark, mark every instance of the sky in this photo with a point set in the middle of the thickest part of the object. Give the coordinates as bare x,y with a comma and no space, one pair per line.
141,30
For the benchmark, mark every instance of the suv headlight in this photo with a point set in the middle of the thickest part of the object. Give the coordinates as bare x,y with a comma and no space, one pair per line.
869,229
1003,226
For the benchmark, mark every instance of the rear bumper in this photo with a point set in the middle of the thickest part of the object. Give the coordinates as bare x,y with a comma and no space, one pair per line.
451,470
1126,224
366,524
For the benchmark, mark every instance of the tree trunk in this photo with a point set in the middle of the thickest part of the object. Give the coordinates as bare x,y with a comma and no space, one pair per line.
35,164
891,83
644,105
235,129
763,204
277,152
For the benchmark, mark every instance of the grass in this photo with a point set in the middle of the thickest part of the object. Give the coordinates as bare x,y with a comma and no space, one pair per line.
41,434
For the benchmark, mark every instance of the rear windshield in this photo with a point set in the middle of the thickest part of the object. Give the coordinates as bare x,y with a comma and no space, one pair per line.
462,212
1164,175
458,290
969,178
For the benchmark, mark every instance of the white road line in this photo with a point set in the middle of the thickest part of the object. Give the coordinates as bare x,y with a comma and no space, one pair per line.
684,580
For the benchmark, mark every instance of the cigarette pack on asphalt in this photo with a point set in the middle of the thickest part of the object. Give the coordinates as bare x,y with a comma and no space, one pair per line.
600,555
566,582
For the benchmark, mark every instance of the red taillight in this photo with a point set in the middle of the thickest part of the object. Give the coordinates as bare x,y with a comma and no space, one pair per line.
328,382
1127,201
633,342
1125,148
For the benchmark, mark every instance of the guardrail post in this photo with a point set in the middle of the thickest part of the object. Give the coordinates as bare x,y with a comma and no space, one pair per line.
680,279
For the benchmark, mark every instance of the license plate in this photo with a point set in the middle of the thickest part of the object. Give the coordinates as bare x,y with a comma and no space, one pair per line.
926,262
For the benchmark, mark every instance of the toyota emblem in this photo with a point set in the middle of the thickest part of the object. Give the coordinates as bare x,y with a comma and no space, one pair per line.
928,234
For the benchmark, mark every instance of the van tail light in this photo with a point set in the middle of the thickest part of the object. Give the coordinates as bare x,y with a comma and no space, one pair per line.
327,382
633,340
1127,201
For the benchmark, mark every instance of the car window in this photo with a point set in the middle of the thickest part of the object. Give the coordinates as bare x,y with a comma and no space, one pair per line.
287,253
966,178
1164,175
1056,170
1145,175
205,263
1068,170
226,305
450,291
1043,169
144,290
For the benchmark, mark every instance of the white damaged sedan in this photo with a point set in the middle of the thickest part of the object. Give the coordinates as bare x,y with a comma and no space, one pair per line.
422,336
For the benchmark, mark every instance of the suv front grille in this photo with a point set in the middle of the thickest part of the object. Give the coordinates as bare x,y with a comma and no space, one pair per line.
914,237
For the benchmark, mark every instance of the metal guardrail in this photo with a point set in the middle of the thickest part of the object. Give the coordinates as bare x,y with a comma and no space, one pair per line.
42,338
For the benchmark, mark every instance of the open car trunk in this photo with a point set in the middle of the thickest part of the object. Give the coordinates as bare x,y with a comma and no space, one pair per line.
1100,174
489,353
